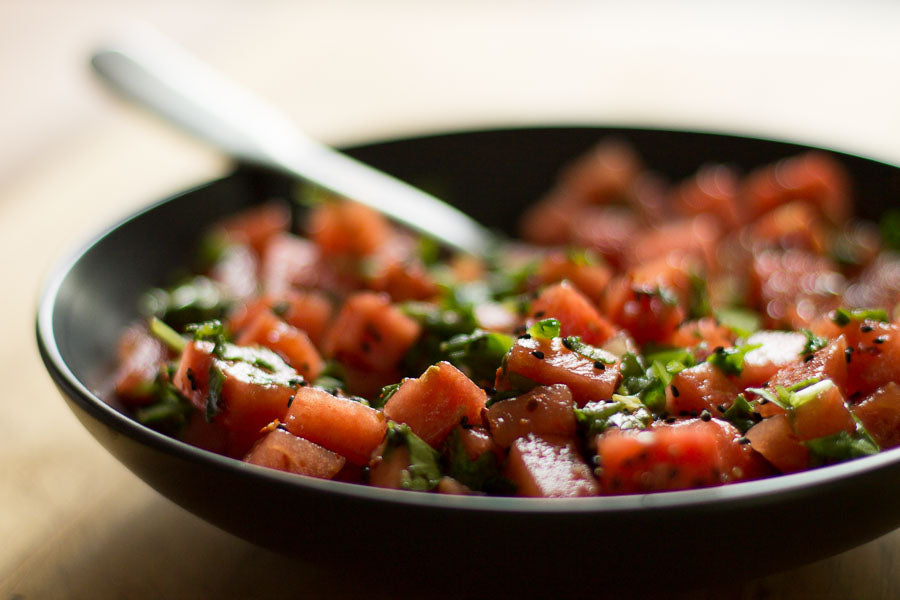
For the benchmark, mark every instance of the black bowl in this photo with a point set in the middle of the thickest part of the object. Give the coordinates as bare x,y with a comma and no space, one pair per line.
727,533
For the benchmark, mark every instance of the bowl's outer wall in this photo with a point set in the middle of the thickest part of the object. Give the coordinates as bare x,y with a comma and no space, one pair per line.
491,175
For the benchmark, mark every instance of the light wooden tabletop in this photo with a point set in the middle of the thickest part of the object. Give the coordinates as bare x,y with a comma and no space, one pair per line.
76,524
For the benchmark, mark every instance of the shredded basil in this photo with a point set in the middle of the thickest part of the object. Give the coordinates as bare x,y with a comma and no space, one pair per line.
424,471
478,354
624,412
741,414
213,401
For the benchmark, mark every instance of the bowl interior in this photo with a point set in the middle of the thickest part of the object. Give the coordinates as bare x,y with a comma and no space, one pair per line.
491,175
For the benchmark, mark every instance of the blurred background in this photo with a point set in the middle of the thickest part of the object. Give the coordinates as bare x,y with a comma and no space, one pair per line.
76,524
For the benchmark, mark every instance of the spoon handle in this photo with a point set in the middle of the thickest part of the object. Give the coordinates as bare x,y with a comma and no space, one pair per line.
161,76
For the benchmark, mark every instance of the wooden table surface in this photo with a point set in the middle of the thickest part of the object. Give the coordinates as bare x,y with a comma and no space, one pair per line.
76,524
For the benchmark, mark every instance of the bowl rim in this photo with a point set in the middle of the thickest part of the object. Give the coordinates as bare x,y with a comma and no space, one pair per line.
734,494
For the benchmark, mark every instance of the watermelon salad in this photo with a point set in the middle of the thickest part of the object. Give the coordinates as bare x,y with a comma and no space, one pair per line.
643,335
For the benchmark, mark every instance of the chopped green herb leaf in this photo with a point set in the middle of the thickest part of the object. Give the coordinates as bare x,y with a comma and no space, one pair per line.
643,382
842,316
167,335
385,395
197,299
740,321
478,354
575,344
624,412
731,360
740,414
842,446
814,343
545,329
698,297
169,412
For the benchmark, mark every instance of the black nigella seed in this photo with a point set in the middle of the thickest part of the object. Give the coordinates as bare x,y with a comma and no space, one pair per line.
290,401
670,420
538,354
743,440
539,314
525,336
720,408
879,340
675,391
848,354
694,413
807,358
865,328
599,365
705,416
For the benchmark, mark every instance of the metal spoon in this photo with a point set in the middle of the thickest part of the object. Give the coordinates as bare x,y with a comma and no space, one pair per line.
158,74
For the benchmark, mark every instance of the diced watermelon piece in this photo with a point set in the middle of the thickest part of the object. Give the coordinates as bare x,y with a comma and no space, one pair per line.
825,414
828,363
436,402
545,410
648,312
288,341
307,310
284,451
347,427
702,331
257,225
791,287
695,236
140,355
404,280
687,454
880,415
777,349
576,314
776,441
289,260
793,225
875,358
590,278
814,177
713,190
371,333
251,397
348,228
549,467
549,361
387,472
448,485
699,388
476,440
